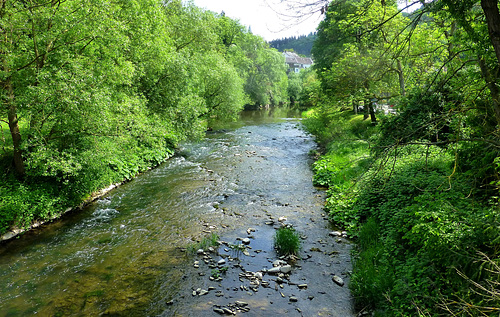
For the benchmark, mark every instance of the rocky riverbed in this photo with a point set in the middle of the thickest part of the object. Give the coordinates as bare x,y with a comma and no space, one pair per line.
243,274
134,251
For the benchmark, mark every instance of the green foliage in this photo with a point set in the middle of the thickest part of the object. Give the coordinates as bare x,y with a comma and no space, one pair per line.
416,222
287,241
294,87
216,273
301,44
205,243
425,203
104,91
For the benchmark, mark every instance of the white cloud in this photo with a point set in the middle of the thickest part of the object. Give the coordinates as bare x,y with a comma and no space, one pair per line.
262,20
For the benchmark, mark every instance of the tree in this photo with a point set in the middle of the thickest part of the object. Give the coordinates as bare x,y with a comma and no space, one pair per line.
47,49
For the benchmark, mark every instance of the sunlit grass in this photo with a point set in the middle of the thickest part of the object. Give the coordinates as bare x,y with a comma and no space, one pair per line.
205,243
287,241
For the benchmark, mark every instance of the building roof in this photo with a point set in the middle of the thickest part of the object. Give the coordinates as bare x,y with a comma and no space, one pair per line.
294,58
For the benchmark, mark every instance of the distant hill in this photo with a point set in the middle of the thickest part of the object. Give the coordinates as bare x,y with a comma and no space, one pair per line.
300,45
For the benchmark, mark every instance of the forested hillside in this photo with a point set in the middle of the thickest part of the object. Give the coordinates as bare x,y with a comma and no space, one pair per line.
407,107
96,92
301,45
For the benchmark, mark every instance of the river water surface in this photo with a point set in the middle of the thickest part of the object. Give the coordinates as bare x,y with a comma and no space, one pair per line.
124,255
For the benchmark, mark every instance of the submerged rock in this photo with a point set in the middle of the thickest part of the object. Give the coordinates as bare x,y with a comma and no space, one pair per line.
338,280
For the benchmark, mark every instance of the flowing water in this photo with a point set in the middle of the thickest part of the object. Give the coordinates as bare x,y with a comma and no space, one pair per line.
124,255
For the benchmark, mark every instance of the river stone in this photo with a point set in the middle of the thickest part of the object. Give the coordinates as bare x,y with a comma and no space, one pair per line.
302,286
203,292
221,262
279,263
336,234
200,251
286,269
274,270
219,311
293,299
245,240
338,280
241,303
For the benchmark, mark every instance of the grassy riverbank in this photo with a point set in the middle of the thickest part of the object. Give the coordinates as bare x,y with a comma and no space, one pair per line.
427,235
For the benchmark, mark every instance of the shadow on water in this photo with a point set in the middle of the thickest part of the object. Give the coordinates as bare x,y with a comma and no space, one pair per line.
123,255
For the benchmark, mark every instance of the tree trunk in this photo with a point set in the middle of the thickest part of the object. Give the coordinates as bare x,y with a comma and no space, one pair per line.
366,111
402,86
492,85
490,8
14,129
372,113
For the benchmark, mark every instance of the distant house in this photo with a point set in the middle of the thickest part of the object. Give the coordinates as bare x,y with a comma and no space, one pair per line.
296,63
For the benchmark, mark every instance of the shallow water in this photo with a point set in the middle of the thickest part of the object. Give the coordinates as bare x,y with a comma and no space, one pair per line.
123,254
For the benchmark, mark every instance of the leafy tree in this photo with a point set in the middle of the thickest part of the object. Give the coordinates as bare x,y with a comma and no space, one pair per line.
301,45
95,92
266,72
294,86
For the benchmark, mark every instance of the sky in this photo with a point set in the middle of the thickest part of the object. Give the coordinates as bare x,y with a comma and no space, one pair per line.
261,18
264,20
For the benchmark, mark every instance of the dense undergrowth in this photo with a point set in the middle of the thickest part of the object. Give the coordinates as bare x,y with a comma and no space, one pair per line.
427,235
43,197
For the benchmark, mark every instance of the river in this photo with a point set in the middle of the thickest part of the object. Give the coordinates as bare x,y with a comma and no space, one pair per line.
125,254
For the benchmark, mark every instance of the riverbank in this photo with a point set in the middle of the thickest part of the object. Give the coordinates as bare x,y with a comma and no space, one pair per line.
424,232
14,232
27,205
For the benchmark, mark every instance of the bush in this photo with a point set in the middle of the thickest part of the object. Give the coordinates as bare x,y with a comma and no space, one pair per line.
418,224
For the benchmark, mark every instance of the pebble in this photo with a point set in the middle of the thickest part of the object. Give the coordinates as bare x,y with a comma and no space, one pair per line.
286,269
221,262
302,286
274,270
336,234
245,240
219,311
293,299
200,251
338,280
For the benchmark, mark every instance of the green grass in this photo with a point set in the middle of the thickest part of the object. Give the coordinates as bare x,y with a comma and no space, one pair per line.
210,241
287,241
